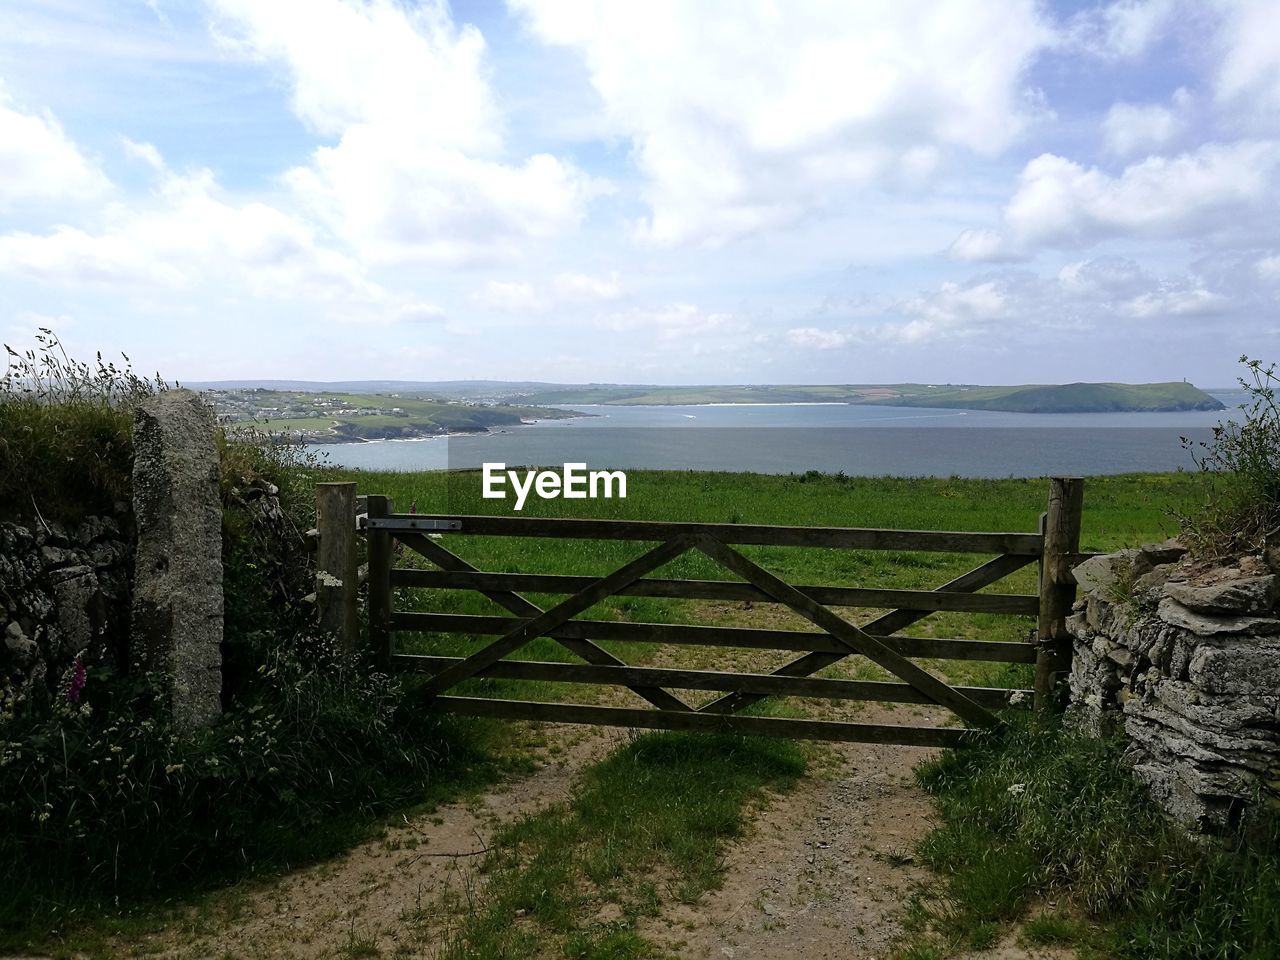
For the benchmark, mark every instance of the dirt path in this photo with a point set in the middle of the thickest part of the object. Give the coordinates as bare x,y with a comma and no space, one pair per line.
393,896
824,871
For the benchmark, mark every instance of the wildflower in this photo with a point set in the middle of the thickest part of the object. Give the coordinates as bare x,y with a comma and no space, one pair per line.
79,677
174,768
1017,789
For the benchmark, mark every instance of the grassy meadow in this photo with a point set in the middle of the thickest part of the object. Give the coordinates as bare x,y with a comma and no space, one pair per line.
550,874
1119,511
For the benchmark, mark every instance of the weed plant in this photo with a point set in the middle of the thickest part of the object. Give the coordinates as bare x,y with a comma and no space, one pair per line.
1240,464
1042,814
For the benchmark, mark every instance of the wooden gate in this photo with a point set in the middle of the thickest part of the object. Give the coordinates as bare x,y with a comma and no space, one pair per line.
1054,548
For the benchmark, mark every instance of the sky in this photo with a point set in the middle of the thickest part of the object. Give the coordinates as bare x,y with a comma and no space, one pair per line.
674,191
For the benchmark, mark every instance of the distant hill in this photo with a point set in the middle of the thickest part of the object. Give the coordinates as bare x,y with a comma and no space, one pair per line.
1025,398
1029,398
1071,398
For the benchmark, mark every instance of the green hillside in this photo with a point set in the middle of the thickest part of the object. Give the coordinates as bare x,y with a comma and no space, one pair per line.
1027,398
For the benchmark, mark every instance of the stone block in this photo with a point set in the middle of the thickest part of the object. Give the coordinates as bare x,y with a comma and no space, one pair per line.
177,600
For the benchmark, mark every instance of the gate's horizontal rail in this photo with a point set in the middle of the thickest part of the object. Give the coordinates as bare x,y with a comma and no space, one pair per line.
930,600
765,684
748,637
705,722
856,538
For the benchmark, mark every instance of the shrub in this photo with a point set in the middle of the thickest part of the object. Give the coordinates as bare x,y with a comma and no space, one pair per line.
102,799
1042,812
1241,468
106,800
66,431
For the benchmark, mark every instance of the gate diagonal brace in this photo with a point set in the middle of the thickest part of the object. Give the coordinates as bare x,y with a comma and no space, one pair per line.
526,632
882,626
523,607
845,632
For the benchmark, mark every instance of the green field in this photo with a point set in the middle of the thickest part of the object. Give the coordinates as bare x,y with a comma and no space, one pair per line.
1119,511
648,824
1027,398
416,416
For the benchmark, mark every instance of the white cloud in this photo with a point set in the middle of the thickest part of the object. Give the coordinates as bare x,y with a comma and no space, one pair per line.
584,288
1249,47
418,170
1135,128
744,117
564,289
185,236
1089,297
813,338
1193,302
144,153
982,246
512,297
1268,268
678,322
1060,203
39,162
1123,30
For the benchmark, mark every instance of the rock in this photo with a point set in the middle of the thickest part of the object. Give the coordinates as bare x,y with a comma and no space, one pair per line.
1271,557
77,606
21,647
1194,687
1238,595
74,572
58,601
1153,581
1242,667
1209,625
1159,554
53,557
1107,575
177,602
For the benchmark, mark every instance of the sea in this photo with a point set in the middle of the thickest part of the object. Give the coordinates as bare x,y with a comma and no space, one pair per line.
828,437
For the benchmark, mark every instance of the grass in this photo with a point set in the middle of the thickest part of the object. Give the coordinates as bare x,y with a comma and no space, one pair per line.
1119,511
66,432
1027,398
1043,813
646,824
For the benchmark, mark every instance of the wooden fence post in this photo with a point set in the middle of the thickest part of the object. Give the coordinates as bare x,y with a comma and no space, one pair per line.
380,581
336,579
1061,529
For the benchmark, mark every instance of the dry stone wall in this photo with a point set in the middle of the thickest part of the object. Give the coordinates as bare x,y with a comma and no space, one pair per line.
64,597
1184,660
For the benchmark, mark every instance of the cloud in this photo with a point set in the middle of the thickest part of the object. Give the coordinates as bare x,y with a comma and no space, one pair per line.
38,162
812,338
564,289
1217,188
1248,44
186,236
584,288
511,297
1193,302
418,171
679,322
1133,128
744,117
1124,30
144,153
1102,295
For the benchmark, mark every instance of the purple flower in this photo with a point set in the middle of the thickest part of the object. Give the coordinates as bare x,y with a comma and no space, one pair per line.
79,677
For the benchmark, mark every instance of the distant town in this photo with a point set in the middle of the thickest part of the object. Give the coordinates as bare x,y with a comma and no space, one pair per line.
322,416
